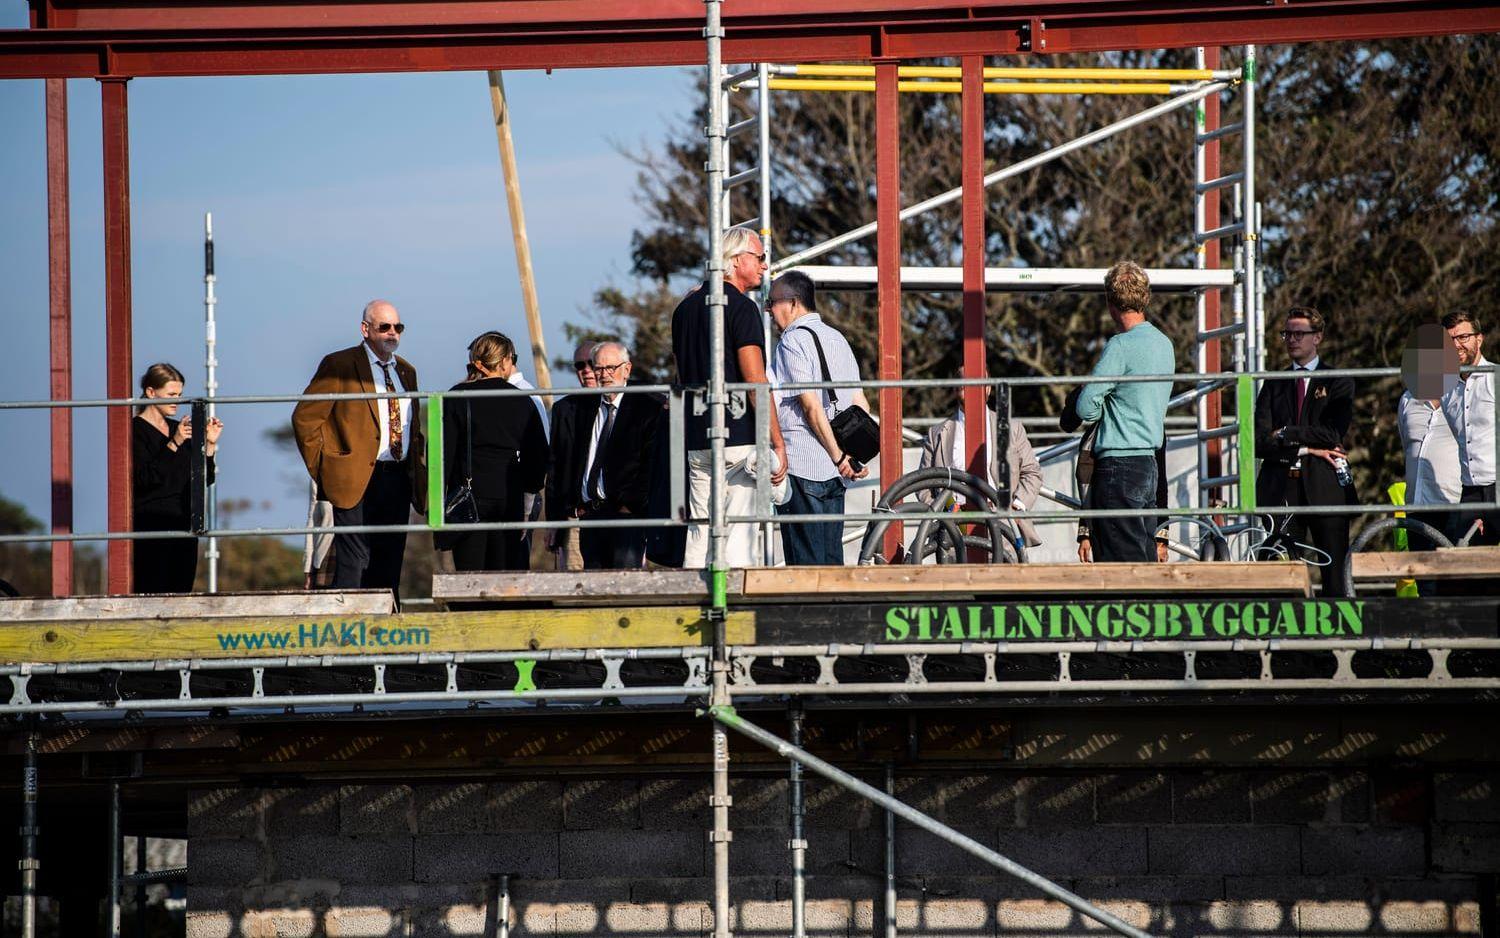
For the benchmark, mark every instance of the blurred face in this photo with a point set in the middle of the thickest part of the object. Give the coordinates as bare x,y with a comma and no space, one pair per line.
583,365
749,266
1467,341
168,392
382,330
1301,340
611,367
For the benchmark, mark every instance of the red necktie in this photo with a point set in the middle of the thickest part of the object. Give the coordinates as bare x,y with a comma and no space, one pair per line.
1301,393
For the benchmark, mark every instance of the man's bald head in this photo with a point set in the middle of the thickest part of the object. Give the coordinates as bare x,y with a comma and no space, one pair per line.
380,325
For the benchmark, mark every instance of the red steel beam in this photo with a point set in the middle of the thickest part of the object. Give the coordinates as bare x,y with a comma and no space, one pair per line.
60,331
223,38
888,286
117,326
971,163
1212,299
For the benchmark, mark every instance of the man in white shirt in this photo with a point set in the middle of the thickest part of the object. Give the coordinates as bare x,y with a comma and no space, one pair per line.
1469,408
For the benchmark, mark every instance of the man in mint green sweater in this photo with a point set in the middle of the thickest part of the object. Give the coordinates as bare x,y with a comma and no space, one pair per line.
1130,416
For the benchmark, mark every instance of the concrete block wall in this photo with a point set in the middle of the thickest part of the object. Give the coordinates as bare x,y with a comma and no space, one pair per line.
1178,852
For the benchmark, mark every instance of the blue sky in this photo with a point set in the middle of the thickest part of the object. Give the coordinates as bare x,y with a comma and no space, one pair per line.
326,192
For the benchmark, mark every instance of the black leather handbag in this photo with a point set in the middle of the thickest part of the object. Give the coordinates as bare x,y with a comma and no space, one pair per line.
857,432
460,507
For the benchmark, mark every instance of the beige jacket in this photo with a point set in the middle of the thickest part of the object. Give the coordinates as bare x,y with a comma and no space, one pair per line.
1025,470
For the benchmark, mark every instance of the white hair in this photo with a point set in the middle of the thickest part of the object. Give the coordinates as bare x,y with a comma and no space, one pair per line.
736,242
623,348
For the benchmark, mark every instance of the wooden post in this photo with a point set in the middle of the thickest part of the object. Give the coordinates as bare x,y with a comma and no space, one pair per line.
518,231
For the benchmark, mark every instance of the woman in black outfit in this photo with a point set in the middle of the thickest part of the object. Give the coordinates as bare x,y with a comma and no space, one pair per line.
163,450
509,457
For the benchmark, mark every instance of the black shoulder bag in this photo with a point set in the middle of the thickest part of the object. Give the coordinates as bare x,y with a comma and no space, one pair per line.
853,427
460,507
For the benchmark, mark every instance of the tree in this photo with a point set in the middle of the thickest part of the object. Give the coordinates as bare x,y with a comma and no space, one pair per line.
1376,171
28,568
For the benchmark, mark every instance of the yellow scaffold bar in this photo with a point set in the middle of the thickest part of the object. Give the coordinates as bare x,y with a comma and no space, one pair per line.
990,87
950,71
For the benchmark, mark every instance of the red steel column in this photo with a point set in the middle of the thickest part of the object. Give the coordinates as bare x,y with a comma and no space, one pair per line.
972,215
1212,298
888,261
118,367
60,329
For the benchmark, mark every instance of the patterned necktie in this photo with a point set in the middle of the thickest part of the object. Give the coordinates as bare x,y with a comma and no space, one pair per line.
393,407
597,469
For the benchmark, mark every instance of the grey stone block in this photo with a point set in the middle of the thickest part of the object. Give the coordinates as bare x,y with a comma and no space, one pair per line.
1364,850
1099,851
585,854
365,921
758,802
525,805
1133,798
375,809
602,804
212,924
222,861
1295,796
1294,887
833,807
681,804
972,800
450,809
1466,848
467,858
1226,850
1467,796
766,853
1054,800
1156,889
373,859
224,812
301,812
451,910
1401,796
1210,797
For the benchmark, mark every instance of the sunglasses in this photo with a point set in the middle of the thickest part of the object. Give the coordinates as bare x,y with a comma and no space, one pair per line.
397,328
582,366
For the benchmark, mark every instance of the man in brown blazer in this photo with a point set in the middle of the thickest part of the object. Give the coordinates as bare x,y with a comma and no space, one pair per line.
366,456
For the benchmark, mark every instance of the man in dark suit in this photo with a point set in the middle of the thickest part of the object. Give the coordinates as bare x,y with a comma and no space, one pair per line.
601,462
1300,426
366,456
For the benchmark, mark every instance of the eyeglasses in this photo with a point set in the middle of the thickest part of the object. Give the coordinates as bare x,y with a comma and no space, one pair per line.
609,369
582,366
397,328
1297,333
759,257
773,300
1460,339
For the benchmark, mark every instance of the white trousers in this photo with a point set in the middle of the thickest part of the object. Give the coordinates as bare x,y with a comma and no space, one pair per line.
739,499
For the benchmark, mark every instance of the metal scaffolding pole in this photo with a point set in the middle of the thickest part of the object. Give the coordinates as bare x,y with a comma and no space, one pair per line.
1254,319
727,716
799,840
718,217
1015,169
763,168
113,909
29,863
890,854
210,388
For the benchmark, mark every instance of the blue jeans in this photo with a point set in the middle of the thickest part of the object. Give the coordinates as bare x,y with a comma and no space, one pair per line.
813,543
1123,482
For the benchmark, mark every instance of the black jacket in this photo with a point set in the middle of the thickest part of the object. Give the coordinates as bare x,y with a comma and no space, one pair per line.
1327,411
627,456
510,443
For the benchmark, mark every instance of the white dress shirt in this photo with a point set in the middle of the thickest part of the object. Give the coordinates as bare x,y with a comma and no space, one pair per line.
383,408
1469,408
605,405
1432,462
519,380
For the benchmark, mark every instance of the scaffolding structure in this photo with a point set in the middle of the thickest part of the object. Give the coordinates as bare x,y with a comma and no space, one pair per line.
1199,88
